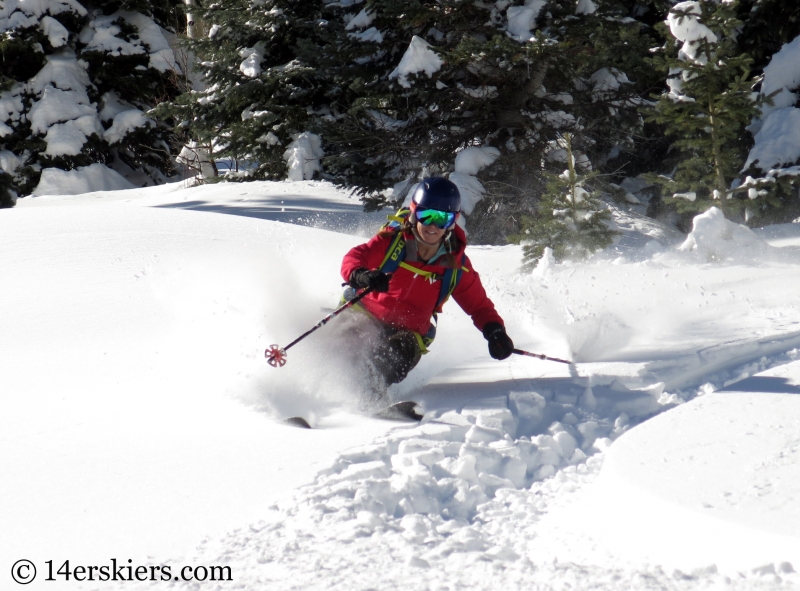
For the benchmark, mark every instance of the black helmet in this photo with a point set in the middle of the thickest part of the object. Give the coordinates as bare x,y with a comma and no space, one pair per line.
437,193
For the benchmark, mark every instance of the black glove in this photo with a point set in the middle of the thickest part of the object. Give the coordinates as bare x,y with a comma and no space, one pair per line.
500,345
377,280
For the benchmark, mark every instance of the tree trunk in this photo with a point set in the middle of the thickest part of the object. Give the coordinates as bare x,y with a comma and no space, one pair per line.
722,186
192,26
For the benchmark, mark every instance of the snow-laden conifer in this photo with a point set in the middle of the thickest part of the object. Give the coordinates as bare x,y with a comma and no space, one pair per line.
396,89
772,169
257,88
708,105
510,76
78,81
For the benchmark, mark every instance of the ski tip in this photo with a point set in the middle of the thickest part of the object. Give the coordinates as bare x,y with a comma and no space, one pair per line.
297,422
406,410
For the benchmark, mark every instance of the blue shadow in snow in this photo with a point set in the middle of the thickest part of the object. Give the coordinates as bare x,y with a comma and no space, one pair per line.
298,210
763,384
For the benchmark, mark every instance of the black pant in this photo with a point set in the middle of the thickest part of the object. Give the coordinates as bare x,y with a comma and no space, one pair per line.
395,354
384,354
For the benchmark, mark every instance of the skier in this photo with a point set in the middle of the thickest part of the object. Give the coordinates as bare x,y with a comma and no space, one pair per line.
412,266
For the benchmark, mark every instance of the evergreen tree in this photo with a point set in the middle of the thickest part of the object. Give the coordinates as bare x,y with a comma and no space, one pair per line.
78,81
709,104
511,76
570,217
396,88
771,180
256,90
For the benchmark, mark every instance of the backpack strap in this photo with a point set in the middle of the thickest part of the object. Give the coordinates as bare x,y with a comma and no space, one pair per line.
450,280
396,253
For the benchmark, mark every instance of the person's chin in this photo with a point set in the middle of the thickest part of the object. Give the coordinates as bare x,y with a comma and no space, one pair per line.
431,238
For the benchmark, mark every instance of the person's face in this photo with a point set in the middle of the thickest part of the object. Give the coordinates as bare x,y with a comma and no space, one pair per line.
430,234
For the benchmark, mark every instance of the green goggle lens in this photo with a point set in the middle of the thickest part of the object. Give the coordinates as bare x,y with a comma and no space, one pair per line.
441,219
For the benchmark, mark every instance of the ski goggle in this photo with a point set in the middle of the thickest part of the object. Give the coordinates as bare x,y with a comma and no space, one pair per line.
440,219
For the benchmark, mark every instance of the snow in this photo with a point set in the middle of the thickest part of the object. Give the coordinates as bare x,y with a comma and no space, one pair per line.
782,74
586,7
84,179
715,238
303,156
664,458
469,162
113,105
778,141
417,58
521,19
689,30
362,20
744,440
62,71
56,33
59,105
101,34
124,123
63,112
9,161
68,138
776,131
371,35
10,108
606,81
38,8
162,58
251,64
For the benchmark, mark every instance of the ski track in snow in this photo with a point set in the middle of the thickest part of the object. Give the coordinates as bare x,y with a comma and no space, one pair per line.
475,496
455,503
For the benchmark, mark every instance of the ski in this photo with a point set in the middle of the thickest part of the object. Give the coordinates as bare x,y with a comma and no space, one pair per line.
297,422
406,410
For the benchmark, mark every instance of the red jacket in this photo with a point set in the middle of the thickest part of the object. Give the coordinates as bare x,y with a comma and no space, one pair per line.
411,299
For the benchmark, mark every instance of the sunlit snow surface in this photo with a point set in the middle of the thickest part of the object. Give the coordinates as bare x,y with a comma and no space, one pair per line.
140,419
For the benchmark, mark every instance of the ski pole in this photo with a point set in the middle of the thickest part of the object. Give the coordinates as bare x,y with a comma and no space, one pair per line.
540,356
276,355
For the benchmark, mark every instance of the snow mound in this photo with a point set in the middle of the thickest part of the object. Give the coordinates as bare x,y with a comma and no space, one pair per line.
716,239
86,179
730,506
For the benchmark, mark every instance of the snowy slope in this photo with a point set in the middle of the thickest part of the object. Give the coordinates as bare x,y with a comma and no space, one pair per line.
155,413
133,375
